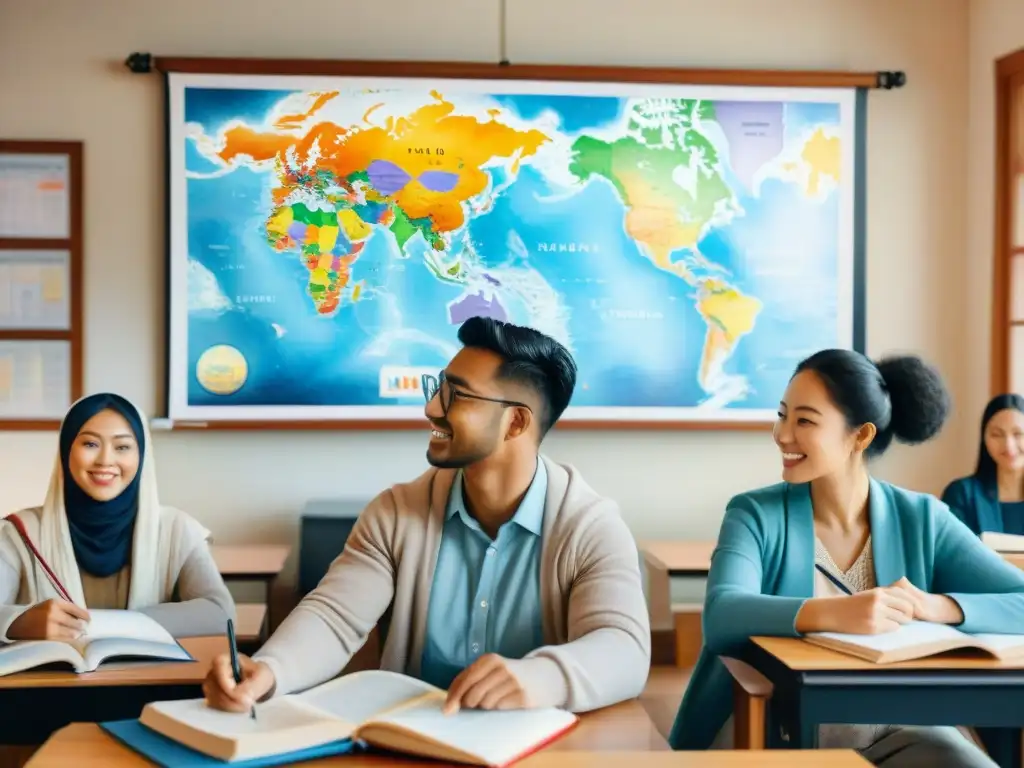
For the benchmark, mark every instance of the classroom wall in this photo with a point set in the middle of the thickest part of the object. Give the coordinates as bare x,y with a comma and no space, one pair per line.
61,78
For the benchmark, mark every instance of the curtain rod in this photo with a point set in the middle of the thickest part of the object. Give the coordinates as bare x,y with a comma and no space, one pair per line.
146,63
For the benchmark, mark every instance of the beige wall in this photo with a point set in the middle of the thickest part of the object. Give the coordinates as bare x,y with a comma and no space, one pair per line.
60,77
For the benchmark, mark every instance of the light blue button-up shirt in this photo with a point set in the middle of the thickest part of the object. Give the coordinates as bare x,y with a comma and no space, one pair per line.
485,597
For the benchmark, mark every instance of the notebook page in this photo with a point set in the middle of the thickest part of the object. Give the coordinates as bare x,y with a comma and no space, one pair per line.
1001,642
98,651
1003,542
357,697
914,633
280,727
26,654
196,713
496,736
132,625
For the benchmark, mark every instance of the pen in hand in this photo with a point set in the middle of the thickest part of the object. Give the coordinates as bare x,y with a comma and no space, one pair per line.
236,667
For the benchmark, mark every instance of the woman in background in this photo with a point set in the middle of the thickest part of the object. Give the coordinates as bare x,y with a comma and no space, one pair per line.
992,499
833,549
107,541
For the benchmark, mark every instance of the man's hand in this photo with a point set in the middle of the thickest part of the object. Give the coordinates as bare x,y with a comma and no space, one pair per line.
221,691
487,683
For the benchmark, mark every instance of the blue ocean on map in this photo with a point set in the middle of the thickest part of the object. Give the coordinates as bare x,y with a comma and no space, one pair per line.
720,324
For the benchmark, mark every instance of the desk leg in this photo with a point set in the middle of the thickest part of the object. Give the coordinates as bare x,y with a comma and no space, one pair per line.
269,591
798,729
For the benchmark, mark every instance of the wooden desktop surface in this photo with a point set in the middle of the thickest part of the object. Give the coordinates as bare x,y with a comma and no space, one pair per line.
203,649
86,746
250,559
692,556
623,727
802,656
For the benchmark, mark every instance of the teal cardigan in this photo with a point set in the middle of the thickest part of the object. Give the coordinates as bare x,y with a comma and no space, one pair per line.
762,571
975,504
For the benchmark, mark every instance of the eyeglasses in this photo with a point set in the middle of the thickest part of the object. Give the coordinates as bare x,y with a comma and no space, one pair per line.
439,385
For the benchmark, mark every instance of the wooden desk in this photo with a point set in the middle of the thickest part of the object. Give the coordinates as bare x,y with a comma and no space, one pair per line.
86,746
815,686
37,703
250,623
262,563
665,560
679,558
250,561
625,727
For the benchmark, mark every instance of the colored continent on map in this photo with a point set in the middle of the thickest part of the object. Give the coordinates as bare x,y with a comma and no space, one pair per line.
413,174
668,219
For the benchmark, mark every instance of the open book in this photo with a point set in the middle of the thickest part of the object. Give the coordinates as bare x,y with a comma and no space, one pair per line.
1003,542
384,709
917,640
110,634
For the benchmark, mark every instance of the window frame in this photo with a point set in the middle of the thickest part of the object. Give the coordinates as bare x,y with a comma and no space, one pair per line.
1009,79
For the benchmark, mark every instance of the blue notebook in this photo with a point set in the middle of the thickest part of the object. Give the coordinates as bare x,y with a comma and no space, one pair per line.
170,754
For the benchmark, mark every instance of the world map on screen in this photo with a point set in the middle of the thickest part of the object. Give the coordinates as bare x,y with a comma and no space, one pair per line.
688,251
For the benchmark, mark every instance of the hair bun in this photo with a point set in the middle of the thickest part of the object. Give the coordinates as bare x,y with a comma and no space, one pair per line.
920,400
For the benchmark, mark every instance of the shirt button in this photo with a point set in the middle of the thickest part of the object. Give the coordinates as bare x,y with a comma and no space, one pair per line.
490,551
483,603
475,647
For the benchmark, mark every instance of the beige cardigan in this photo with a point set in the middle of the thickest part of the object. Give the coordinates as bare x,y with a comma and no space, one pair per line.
596,629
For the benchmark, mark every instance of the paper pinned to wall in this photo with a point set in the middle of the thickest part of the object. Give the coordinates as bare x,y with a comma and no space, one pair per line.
35,290
35,194
35,379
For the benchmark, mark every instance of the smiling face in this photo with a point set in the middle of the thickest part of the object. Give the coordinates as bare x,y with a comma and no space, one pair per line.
1004,439
475,425
812,432
104,458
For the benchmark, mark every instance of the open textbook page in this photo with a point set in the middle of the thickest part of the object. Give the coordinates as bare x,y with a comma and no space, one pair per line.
111,634
917,640
384,709
1003,542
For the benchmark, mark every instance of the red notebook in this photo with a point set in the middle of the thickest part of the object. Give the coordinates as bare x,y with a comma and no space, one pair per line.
382,709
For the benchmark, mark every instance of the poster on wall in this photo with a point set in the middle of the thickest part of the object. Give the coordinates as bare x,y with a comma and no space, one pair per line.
328,235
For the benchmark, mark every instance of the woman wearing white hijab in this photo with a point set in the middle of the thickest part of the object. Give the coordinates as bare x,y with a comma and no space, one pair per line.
103,540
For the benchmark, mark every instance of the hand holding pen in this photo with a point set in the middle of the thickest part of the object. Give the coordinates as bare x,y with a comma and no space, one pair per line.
235,682
53,619
236,667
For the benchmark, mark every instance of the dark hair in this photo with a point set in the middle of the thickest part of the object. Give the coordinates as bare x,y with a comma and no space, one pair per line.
531,358
985,472
903,396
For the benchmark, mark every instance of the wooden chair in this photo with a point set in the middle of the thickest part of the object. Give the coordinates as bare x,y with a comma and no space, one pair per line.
751,692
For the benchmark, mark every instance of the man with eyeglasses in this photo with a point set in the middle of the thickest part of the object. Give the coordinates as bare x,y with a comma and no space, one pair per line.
498,574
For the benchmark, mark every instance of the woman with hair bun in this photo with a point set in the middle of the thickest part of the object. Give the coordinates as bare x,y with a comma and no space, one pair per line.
832,549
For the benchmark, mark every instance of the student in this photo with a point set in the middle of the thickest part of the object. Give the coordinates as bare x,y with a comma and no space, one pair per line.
992,499
106,539
833,549
507,579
